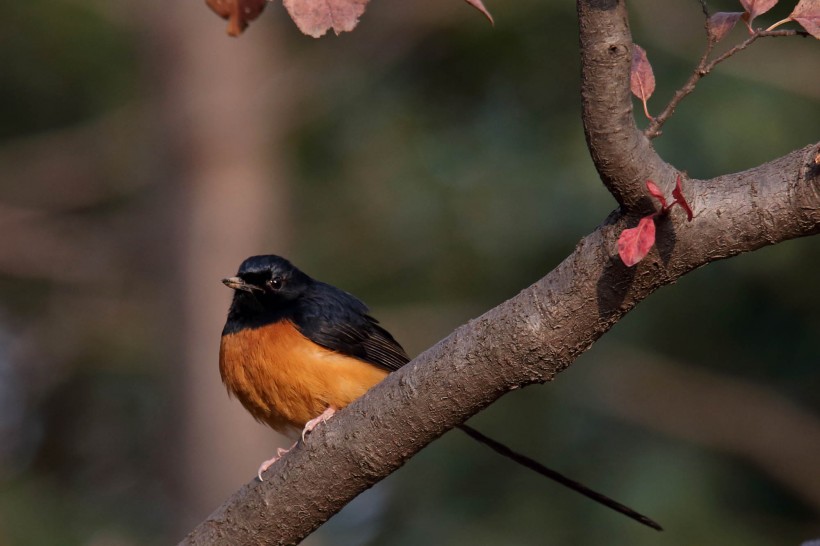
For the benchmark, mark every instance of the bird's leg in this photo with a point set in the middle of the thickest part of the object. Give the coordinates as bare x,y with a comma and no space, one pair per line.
309,426
267,464
313,423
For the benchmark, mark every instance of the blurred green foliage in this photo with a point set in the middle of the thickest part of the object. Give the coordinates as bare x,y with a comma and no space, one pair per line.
63,63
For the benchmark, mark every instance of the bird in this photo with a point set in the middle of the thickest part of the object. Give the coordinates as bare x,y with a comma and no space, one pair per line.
295,350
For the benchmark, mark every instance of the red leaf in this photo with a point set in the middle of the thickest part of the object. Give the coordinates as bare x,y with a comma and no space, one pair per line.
238,12
656,192
677,193
755,8
807,13
477,4
634,243
315,17
719,24
641,77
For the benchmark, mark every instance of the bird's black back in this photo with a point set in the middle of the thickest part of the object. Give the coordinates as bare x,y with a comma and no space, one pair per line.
339,321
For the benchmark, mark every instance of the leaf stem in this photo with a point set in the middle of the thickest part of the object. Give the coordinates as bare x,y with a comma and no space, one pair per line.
777,24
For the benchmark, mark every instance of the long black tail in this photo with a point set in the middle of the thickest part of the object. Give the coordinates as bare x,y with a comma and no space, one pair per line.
535,466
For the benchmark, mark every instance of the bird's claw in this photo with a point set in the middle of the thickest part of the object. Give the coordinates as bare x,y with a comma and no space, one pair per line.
310,425
267,464
313,423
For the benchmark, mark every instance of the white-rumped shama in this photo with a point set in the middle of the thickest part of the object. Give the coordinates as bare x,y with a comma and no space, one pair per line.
294,350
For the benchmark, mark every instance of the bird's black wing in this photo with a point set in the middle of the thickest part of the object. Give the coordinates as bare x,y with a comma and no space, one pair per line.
338,321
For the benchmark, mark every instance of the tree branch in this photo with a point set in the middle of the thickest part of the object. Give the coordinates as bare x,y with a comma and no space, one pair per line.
538,333
527,339
703,68
623,156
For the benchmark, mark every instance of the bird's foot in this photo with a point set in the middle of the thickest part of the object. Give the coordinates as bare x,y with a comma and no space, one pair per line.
313,423
267,464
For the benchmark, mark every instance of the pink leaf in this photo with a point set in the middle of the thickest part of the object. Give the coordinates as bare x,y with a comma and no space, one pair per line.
315,17
477,4
656,192
634,243
641,77
677,193
807,13
755,8
719,24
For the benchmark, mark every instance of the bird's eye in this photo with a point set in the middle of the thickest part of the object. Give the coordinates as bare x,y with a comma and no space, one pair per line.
276,283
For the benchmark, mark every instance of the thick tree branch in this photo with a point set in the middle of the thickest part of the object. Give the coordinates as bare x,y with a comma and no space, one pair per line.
527,339
540,332
624,157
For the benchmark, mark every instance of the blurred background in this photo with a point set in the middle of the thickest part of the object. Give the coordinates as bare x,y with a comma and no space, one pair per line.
434,166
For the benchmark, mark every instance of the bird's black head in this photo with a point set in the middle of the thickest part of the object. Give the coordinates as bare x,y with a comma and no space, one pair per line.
265,285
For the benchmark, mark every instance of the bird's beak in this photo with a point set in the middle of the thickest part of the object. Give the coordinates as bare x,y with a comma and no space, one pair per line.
238,284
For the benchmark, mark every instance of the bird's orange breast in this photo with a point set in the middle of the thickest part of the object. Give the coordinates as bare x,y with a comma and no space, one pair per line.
283,379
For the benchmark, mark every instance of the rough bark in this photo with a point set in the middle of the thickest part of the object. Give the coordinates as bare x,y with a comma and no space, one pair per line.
623,156
533,336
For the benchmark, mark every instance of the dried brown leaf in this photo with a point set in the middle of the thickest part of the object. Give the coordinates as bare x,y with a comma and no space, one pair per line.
641,77
755,8
807,13
238,12
477,4
315,17
719,24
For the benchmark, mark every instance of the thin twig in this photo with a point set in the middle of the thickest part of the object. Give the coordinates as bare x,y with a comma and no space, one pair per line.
705,67
705,9
654,128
